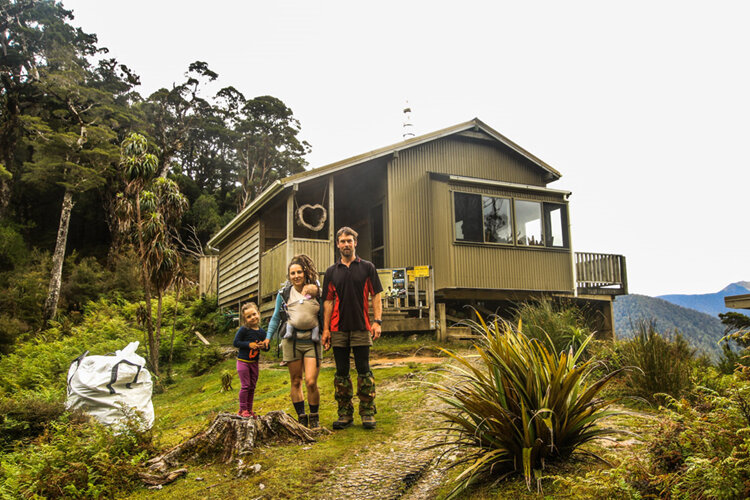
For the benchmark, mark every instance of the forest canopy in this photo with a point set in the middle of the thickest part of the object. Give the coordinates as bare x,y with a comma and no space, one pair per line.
65,109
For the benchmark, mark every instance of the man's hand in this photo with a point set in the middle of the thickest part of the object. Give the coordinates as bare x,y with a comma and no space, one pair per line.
326,339
375,330
265,343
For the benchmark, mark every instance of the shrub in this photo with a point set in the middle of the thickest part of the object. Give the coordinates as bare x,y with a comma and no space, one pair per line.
520,405
700,449
26,417
208,357
10,329
561,325
76,460
85,280
663,362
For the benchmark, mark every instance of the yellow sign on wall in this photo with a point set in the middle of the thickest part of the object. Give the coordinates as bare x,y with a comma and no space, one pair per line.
421,271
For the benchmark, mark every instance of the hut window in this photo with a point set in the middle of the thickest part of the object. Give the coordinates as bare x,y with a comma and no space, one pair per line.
498,227
555,225
529,223
468,216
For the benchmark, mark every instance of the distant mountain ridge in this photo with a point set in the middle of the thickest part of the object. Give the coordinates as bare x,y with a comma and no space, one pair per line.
701,330
709,303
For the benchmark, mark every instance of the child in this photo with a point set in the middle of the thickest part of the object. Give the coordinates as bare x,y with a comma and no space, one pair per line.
249,340
302,314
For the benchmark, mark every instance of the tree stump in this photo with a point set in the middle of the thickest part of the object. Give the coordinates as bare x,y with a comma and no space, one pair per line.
231,437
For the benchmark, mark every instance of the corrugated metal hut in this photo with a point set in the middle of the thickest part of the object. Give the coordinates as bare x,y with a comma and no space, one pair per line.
466,201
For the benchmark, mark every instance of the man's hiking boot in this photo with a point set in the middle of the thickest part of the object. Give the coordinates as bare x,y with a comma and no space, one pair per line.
343,422
368,421
303,419
313,421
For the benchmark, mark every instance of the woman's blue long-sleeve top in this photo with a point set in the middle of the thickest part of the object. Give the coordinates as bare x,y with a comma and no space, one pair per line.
273,325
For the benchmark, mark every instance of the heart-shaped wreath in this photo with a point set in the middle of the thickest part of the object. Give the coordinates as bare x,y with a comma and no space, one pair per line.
316,211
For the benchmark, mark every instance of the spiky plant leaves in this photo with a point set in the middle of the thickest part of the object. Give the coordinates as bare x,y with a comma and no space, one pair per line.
518,404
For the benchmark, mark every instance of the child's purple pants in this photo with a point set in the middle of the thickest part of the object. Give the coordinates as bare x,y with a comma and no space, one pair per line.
248,373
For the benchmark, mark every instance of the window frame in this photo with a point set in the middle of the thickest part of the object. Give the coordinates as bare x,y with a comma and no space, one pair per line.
481,214
513,244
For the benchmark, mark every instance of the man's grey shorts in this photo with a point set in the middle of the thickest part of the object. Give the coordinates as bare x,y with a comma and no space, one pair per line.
354,338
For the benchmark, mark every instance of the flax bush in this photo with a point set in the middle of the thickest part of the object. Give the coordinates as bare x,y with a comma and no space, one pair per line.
519,405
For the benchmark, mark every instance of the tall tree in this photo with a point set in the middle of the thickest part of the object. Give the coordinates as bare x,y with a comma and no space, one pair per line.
73,143
171,114
267,147
28,30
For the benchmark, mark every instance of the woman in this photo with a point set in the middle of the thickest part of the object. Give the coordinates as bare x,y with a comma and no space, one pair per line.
296,301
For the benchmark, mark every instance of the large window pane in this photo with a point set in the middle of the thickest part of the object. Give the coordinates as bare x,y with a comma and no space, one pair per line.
529,223
556,225
468,216
497,223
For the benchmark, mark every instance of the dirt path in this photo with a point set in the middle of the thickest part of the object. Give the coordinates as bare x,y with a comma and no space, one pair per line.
400,468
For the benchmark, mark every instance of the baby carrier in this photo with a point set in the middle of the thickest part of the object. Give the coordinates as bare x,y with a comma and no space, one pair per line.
301,319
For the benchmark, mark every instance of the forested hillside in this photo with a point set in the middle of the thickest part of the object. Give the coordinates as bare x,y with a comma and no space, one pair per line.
700,329
66,109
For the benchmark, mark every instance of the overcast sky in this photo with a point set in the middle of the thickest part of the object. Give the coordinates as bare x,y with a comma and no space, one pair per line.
643,106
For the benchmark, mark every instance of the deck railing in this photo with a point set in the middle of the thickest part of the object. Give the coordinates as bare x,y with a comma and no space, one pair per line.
601,273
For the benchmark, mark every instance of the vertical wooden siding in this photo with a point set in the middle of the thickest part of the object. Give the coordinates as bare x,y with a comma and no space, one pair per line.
317,250
239,266
273,269
409,219
208,274
273,263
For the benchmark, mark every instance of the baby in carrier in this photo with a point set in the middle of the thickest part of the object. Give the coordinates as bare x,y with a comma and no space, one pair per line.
302,315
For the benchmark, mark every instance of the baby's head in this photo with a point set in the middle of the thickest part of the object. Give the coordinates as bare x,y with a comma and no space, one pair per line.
310,290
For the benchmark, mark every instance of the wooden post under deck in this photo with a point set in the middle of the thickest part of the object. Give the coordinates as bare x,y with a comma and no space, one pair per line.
442,330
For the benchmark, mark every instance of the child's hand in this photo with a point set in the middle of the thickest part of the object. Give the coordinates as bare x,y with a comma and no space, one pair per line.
253,345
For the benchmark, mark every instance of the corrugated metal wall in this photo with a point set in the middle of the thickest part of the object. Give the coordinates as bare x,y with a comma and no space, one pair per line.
409,221
239,266
421,218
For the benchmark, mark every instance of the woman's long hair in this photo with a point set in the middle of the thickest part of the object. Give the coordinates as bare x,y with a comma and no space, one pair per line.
308,267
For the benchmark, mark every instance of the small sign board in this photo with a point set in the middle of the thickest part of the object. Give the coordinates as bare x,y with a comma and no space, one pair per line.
421,271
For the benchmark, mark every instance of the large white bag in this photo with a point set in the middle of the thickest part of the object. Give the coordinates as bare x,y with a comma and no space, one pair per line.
108,387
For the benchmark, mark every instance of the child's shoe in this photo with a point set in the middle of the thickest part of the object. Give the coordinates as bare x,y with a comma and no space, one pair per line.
245,414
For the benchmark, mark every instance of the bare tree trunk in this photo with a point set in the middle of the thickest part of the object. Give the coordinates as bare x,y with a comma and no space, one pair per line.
157,332
174,325
53,294
147,290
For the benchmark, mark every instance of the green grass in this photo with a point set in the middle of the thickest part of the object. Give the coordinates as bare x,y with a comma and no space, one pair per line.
288,471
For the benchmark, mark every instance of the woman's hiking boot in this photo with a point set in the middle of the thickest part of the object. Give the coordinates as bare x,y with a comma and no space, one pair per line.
343,422
368,421
313,421
303,419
